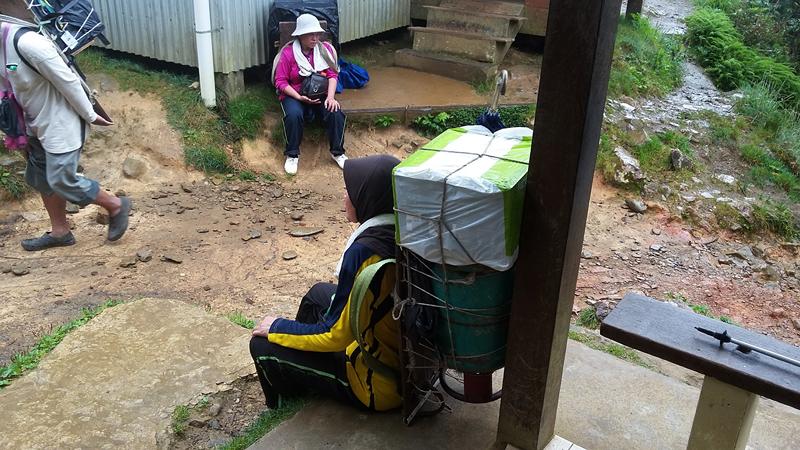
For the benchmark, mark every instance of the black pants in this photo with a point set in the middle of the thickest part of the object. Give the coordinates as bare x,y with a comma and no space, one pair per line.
286,372
295,116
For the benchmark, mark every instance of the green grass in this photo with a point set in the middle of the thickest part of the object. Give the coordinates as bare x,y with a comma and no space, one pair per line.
620,351
646,62
484,87
240,319
266,422
180,419
246,113
24,362
13,184
588,318
775,217
433,124
384,121
770,146
654,155
247,175
205,134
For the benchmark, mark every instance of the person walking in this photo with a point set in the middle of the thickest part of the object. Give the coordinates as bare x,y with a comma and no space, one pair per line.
58,115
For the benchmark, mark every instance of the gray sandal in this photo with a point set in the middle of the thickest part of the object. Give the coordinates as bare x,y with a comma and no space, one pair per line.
119,223
47,240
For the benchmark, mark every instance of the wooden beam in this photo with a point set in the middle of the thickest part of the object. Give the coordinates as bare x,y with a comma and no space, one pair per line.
572,94
723,418
633,7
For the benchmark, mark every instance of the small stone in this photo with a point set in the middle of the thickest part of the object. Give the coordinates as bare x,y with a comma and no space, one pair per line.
628,168
186,188
202,230
679,161
197,423
20,270
255,234
289,255
778,313
133,168
144,255
656,231
727,179
214,409
603,309
656,247
725,261
636,206
121,193
771,273
214,424
72,208
102,217
195,85
170,258
128,263
796,324
297,216
305,231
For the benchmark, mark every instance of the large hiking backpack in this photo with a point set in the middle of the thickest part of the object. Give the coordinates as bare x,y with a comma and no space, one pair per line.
71,24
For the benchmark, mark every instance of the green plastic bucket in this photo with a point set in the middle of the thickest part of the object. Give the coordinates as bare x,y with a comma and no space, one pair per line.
479,302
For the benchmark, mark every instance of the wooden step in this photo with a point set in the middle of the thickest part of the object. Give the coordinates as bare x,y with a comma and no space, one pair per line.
476,46
446,65
474,21
490,6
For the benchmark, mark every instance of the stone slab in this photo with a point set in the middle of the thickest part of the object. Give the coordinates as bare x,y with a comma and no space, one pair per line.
605,404
115,381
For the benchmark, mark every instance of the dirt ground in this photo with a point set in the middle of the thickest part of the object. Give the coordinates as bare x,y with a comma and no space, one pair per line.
225,244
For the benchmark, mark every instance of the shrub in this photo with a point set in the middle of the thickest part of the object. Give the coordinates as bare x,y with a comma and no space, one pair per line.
646,62
730,63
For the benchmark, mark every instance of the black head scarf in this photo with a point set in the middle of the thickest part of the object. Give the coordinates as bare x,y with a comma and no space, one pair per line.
368,182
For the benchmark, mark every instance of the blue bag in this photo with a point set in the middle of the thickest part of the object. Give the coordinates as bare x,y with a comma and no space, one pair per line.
352,76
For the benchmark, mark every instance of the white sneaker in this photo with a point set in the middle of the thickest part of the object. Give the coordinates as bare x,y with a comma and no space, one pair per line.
340,160
290,166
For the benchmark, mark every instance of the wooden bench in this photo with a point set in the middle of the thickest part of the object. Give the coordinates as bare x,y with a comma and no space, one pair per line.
733,380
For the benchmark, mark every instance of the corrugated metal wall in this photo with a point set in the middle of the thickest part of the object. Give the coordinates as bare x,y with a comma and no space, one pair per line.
361,18
164,29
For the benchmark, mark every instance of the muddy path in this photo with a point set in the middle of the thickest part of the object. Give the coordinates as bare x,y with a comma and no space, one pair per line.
220,243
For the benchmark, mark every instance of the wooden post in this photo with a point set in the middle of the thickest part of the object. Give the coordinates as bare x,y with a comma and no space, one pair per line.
572,94
633,7
723,418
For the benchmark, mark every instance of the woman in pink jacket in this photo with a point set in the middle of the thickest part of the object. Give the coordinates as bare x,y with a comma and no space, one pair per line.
298,60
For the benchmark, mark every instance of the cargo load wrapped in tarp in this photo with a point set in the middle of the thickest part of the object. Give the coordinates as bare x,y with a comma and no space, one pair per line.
289,10
72,24
459,197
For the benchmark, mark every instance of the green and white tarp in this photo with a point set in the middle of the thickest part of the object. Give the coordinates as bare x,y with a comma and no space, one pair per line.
458,199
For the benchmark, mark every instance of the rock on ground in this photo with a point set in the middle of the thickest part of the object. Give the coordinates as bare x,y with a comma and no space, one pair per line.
114,382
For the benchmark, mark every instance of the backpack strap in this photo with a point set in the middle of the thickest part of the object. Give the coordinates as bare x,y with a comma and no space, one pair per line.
22,58
357,294
326,55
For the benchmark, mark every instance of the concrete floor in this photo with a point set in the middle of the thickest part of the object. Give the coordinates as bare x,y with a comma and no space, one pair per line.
605,403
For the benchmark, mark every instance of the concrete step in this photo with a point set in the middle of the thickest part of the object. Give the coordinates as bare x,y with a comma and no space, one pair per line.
446,65
474,21
490,6
490,49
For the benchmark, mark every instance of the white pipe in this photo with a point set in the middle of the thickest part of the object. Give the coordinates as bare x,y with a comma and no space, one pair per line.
205,52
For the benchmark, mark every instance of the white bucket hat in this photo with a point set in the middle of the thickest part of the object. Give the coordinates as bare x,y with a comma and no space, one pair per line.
306,23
